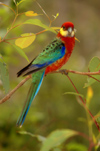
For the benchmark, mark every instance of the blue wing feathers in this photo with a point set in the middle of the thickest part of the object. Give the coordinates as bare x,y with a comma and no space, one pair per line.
63,51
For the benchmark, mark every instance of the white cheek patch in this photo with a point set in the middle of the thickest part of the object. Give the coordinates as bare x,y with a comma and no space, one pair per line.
63,32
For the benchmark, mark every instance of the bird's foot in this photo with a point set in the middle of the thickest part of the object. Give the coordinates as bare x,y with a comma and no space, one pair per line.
64,71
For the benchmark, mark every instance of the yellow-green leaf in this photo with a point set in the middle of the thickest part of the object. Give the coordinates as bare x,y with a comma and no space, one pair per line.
31,13
56,138
39,137
74,146
98,120
94,66
74,93
39,23
25,40
21,52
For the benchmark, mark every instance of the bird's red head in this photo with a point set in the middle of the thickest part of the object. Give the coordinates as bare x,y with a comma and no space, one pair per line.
67,25
67,30
67,35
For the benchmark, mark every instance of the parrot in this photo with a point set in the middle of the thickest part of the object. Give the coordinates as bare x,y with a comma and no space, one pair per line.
52,58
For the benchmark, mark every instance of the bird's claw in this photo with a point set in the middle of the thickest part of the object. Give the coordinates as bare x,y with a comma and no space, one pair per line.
63,71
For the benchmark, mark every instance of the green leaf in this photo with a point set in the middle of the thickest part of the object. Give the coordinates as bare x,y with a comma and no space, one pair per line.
76,147
21,52
4,75
98,120
74,93
26,40
39,137
94,66
39,23
57,149
18,3
57,138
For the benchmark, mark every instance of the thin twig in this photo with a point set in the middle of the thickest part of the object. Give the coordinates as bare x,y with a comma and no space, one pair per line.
8,7
11,26
44,12
5,40
94,78
14,90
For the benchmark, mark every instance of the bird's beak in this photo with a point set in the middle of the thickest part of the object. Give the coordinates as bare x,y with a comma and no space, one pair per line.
70,30
77,39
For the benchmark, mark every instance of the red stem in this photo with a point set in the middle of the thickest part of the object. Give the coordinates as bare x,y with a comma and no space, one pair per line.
84,104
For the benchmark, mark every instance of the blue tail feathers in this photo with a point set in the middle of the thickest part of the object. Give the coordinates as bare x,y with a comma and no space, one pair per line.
37,79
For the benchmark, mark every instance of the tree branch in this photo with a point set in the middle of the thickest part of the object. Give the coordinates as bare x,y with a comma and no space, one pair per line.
14,90
65,72
78,72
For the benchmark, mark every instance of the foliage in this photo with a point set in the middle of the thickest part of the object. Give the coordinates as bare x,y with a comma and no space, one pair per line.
25,39
94,65
58,137
4,75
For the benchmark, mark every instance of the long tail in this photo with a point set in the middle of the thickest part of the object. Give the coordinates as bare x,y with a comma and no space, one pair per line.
37,79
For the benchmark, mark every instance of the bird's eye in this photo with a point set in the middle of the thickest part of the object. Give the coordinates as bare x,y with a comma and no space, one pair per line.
64,28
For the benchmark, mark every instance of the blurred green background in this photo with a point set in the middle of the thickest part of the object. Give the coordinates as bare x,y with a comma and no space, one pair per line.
51,109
